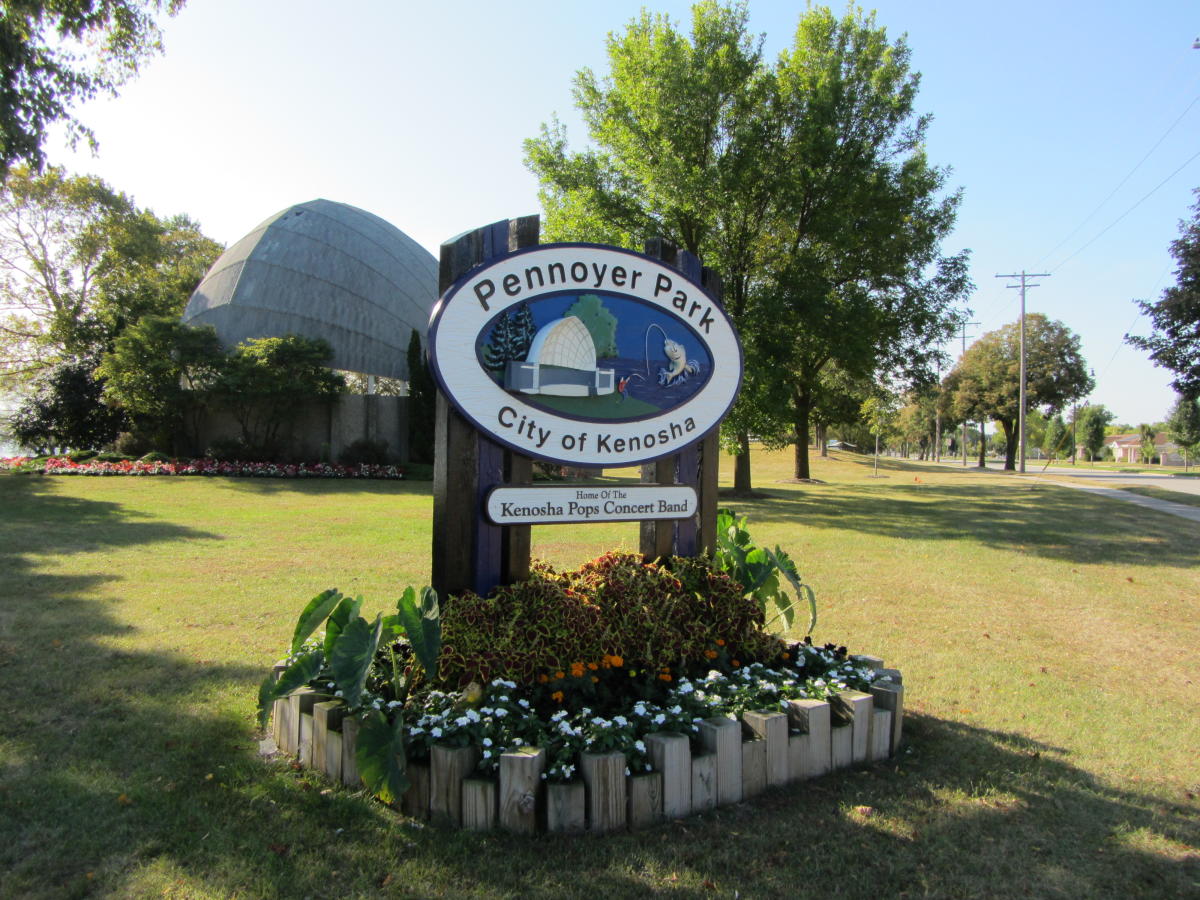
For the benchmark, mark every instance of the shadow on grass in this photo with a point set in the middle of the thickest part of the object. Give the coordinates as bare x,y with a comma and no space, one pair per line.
1044,520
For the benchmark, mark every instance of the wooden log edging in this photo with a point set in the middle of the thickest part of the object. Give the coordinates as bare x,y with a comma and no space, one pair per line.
739,760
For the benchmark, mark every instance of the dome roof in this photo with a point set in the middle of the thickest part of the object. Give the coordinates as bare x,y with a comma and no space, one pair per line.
564,342
323,270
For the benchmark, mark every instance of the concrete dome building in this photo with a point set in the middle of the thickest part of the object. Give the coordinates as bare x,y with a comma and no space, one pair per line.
323,270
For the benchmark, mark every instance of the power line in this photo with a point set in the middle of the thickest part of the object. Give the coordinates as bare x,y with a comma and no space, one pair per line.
1143,199
1122,182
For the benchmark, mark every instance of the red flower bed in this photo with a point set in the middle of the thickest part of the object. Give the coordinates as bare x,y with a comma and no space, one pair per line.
61,465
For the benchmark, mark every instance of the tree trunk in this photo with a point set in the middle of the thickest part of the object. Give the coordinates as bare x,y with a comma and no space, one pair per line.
822,440
1010,444
741,464
982,447
802,409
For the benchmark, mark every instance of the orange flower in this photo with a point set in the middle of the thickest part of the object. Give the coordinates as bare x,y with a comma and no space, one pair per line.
736,663
557,696
720,642
593,666
616,660
787,656
576,670
542,679
595,680
559,676
664,677
710,654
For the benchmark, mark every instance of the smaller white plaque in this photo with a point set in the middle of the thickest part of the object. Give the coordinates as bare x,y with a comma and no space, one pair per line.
548,504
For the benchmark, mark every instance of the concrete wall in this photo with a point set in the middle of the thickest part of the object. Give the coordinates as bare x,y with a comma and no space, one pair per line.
321,431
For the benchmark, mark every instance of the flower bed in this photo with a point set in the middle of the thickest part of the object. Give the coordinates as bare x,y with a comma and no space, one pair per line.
612,695
61,465
701,747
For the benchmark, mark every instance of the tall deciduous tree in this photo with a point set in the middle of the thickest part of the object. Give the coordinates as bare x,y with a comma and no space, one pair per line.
55,53
682,151
79,263
856,275
986,382
1174,341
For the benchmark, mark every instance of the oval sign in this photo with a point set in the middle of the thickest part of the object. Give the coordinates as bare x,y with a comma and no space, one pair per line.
585,355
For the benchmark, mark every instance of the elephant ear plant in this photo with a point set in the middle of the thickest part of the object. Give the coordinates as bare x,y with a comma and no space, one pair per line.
351,647
759,569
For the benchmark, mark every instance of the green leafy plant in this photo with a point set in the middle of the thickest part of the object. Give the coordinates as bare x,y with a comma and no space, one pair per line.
759,570
346,658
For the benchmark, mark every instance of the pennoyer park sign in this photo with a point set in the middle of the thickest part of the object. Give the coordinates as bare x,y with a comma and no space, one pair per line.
587,356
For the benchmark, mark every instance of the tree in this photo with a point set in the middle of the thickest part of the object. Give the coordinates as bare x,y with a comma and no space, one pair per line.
681,151
600,323
1090,425
1056,442
161,372
1183,427
1147,448
64,411
79,263
855,275
986,382
52,243
55,53
266,381
422,402
879,411
1174,341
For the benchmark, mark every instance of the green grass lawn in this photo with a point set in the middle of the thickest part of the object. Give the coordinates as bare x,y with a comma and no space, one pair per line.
1047,636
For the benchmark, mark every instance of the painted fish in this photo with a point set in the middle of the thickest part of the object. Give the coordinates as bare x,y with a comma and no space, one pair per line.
680,366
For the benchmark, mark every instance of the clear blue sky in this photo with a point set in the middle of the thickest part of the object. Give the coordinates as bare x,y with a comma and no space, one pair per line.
416,112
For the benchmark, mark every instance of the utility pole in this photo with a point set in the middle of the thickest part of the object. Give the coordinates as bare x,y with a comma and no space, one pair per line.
964,429
1021,408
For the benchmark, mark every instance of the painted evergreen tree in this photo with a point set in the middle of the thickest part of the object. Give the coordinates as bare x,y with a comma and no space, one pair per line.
502,344
524,330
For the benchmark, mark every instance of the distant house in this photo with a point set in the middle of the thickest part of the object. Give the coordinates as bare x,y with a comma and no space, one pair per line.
1127,448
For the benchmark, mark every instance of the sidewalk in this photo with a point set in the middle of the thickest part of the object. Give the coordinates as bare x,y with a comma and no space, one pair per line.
1176,509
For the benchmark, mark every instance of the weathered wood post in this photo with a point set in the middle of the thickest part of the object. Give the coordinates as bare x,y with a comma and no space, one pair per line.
695,465
469,552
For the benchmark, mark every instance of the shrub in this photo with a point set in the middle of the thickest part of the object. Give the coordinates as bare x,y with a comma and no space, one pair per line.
649,616
155,456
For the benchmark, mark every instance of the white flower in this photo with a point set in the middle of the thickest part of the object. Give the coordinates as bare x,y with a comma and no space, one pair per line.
487,754
659,719
675,710
686,687
820,682
487,742
523,703
392,704
436,731
568,771
462,721
620,721
501,713
627,772
472,715
640,746
486,711
338,694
